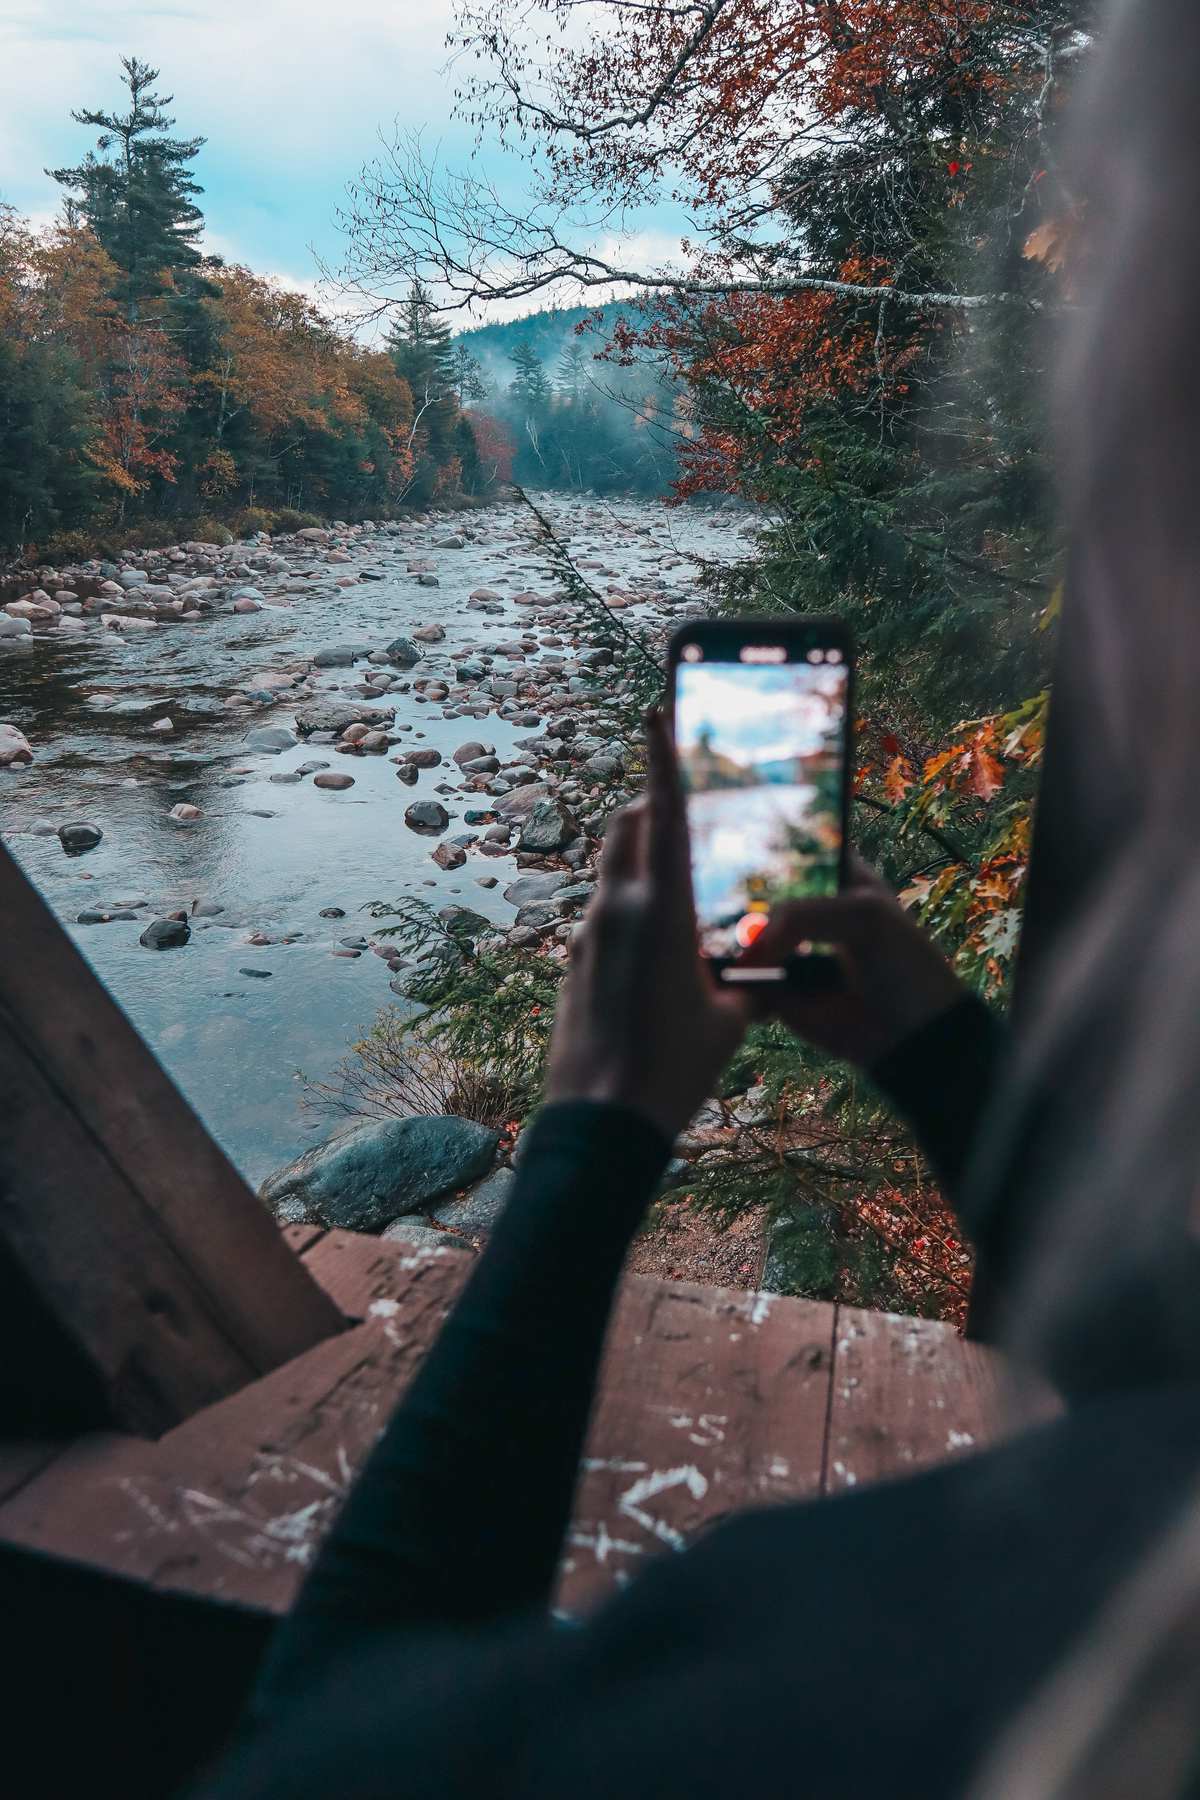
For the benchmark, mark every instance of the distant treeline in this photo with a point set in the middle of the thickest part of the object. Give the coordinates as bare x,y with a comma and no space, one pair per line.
149,389
144,385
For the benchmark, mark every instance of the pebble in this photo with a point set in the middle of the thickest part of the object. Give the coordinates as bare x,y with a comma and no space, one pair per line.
334,781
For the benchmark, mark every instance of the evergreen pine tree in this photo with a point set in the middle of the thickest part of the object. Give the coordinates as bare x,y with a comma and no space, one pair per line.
137,194
466,375
529,388
571,375
419,342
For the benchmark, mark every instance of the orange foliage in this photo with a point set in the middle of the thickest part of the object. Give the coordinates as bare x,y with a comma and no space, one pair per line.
494,446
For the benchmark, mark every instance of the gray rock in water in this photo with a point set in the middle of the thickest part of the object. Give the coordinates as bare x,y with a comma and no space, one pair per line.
426,815
403,652
540,914
428,977
549,826
463,922
449,856
272,738
480,765
364,1178
340,656
409,774
478,1210
334,715
521,802
468,752
165,934
79,836
534,889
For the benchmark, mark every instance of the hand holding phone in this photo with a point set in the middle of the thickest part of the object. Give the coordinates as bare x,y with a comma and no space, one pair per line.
763,716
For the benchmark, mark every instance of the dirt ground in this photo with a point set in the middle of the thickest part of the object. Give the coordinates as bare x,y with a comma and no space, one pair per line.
682,1243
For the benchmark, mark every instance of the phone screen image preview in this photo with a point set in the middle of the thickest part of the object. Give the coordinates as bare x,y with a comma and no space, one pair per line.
762,754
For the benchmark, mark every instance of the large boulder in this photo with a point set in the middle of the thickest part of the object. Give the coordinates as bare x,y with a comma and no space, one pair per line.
534,889
426,816
431,974
79,836
14,747
549,827
336,715
480,1209
165,934
383,1169
271,738
403,652
340,656
521,802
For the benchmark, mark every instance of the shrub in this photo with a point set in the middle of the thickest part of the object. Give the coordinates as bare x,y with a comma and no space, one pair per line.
65,547
289,519
403,1067
253,519
211,531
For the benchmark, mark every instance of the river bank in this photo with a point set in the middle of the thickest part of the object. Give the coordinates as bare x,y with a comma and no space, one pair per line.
304,696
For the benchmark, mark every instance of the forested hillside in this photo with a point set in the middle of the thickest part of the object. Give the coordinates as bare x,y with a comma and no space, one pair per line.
143,383
576,417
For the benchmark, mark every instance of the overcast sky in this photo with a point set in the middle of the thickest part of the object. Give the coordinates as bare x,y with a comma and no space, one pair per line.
291,95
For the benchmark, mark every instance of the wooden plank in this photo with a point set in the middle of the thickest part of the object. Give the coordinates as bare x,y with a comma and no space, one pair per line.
710,1400
123,1223
23,1458
906,1393
356,1271
300,1238
233,1502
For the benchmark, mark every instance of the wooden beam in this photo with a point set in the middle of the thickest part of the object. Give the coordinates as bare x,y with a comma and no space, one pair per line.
140,1279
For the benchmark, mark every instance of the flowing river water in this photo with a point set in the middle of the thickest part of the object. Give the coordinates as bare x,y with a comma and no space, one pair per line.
272,855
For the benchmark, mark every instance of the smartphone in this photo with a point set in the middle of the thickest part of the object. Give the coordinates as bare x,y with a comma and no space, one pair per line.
763,718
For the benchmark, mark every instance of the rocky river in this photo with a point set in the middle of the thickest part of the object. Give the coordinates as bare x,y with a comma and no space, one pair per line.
263,735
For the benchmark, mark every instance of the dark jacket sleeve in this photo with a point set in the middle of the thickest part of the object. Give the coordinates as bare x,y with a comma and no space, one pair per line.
941,1079
459,1515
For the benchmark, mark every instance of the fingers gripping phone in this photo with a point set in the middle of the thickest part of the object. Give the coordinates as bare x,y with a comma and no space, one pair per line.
763,720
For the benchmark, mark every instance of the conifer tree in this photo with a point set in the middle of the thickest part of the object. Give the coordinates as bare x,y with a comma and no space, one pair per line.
420,346
136,191
467,376
529,388
571,375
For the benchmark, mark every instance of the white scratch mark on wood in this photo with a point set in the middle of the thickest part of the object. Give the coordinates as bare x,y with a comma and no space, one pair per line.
618,1465
761,1310
602,1544
659,1481
959,1440
383,1309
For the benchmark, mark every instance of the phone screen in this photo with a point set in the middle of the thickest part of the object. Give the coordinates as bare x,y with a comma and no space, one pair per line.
762,749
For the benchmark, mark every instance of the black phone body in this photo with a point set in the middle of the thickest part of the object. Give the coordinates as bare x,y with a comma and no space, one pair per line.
763,716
